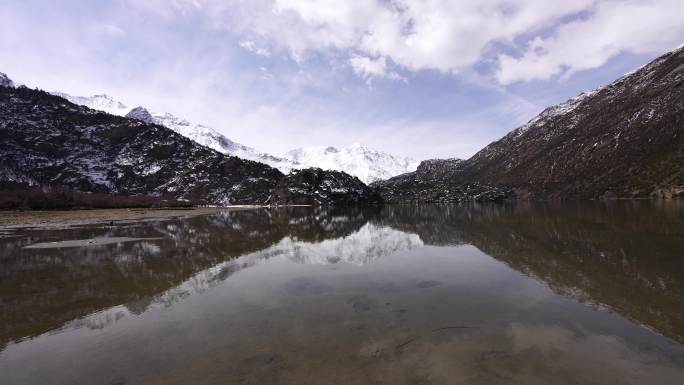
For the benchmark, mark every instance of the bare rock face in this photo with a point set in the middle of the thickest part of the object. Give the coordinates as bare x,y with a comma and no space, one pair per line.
437,168
5,81
415,188
624,140
314,186
140,113
434,182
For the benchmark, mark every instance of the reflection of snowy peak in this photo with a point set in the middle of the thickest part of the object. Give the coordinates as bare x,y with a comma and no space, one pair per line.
367,164
366,245
203,135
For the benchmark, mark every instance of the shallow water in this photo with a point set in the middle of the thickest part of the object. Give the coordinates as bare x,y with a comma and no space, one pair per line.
518,294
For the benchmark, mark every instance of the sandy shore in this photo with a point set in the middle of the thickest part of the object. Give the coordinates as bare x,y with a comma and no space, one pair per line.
21,219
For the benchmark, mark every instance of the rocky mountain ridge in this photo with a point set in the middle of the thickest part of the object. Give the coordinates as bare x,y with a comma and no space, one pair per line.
623,140
49,141
365,163
201,134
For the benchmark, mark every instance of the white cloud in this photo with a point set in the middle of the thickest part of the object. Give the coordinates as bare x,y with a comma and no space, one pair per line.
442,35
449,36
613,27
204,70
252,47
368,67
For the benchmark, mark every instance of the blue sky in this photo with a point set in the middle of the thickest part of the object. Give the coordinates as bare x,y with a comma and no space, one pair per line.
421,78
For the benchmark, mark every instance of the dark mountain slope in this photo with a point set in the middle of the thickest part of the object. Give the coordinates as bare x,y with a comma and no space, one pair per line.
434,182
622,140
314,186
46,140
625,139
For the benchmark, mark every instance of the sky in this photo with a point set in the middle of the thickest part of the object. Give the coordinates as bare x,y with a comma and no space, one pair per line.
419,78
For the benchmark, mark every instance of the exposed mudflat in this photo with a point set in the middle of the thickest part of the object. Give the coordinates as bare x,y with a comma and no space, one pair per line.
85,242
65,218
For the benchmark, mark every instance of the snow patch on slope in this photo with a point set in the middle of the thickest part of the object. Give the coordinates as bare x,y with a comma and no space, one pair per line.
102,102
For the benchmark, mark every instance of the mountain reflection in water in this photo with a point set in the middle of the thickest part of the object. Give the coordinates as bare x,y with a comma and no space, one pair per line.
623,259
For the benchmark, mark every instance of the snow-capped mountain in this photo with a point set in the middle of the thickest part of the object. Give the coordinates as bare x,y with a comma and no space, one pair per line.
102,153
211,138
367,164
108,154
201,134
97,102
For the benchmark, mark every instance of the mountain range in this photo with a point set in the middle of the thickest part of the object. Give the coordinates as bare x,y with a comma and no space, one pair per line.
623,140
367,164
48,141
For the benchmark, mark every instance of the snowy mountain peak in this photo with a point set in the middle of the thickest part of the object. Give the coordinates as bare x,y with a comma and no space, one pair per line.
367,164
102,102
5,81
140,113
201,134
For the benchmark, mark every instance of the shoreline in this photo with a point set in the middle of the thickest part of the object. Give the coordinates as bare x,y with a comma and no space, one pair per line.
10,220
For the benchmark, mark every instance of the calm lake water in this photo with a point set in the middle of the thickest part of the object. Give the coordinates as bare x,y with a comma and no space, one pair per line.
518,294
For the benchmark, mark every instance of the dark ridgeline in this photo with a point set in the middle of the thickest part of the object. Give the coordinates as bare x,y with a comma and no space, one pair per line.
46,141
624,140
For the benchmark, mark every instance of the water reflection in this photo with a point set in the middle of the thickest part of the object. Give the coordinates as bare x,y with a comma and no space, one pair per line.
41,289
627,257
399,294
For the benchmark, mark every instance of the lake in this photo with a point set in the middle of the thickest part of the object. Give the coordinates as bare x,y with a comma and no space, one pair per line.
589,293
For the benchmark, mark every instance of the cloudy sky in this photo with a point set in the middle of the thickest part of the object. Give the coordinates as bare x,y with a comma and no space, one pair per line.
422,78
